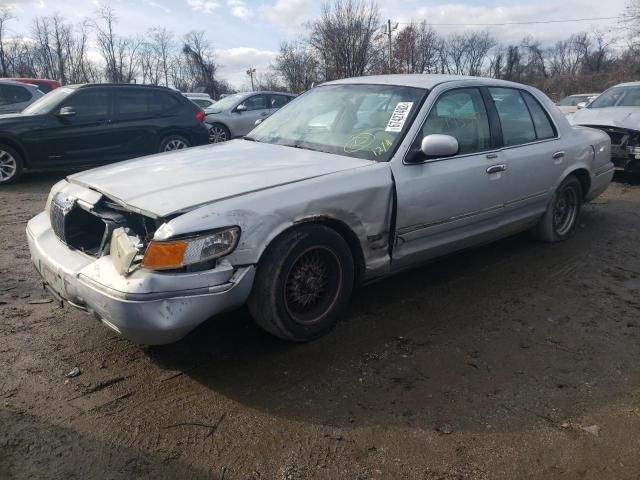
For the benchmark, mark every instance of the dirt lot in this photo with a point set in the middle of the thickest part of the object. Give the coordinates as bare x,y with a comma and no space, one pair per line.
515,360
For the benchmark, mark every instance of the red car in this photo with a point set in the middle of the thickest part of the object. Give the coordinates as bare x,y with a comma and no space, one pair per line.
43,84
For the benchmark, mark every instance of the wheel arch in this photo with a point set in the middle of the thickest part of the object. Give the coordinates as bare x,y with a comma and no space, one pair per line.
582,174
341,228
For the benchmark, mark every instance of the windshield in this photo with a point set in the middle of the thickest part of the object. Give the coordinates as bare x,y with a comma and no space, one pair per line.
618,97
49,101
227,102
573,100
362,121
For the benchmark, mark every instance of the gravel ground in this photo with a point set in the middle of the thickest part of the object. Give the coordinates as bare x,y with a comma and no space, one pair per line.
514,360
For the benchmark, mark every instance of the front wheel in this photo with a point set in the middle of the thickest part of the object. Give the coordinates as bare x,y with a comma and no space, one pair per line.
560,220
174,142
218,133
303,283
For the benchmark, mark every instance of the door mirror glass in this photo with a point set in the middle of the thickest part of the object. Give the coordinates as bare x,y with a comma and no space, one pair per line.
582,105
241,108
66,112
258,121
438,146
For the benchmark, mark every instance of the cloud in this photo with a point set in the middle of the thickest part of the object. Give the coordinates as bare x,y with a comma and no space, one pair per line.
204,6
154,4
239,9
289,14
234,63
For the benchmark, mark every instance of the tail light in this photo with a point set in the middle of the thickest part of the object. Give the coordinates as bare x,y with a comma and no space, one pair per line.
200,116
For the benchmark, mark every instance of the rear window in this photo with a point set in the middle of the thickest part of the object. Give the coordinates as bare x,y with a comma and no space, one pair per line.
10,94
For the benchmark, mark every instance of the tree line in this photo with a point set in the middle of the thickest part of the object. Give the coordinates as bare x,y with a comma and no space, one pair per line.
346,39
58,49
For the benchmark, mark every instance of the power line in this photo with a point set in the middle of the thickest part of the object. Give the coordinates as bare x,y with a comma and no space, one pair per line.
534,22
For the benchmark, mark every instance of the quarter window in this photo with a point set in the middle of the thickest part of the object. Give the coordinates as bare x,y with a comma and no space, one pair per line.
461,113
10,94
544,127
517,126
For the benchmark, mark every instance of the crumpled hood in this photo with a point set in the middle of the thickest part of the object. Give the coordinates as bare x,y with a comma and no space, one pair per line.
179,181
622,117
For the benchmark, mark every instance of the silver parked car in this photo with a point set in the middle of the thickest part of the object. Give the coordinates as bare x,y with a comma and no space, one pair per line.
617,113
16,96
399,170
236,115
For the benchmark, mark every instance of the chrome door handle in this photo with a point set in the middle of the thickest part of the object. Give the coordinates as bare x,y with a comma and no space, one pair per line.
557,155
491,156
264,114
496,168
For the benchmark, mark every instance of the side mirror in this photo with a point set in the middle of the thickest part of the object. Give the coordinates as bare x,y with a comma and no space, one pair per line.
241,108
66,112
437,145
582,105
258,122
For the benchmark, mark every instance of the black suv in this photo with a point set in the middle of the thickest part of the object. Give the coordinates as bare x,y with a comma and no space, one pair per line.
86,125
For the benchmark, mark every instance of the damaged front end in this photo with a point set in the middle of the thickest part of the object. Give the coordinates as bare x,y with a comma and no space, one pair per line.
625,147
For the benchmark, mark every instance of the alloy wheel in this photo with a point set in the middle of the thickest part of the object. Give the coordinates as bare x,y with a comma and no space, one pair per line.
312,285
565,210
175,144
8,166
217,134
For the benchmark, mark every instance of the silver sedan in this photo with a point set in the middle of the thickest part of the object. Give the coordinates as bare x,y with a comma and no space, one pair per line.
353,181
236,115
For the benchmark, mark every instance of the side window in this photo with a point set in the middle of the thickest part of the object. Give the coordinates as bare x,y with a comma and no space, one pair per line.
461,113
132,102
257,102
544,127
517,126
89,103
279,101
14,94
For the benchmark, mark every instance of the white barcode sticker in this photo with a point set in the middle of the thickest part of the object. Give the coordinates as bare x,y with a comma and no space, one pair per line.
399,116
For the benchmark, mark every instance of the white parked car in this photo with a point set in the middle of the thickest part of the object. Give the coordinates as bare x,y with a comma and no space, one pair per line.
353,181
617,113
573,103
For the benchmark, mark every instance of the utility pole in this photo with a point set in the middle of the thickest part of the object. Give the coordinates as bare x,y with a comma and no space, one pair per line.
389,32
250,72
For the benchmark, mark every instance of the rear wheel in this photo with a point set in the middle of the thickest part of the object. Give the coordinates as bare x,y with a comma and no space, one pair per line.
10,165
560,220
174,142
303,283
218,133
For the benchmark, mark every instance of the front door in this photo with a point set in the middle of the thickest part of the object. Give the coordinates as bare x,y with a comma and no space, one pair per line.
79,131
257,107
444,204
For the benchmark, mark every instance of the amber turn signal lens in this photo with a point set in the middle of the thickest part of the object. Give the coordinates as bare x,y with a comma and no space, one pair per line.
164,255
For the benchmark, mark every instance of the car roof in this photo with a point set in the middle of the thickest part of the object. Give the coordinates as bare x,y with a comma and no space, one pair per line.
268,92
628,84
19,84
121,85
419,80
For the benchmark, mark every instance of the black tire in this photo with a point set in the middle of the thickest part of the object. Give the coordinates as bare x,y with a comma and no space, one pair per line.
561,218
11,165
218,133
174,142
303,283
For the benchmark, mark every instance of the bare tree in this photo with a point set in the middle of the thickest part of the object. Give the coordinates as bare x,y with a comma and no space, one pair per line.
297,65
343,37
6,15
416,48
119,53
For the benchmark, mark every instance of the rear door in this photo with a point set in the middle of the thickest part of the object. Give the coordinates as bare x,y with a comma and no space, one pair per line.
532,152
84,136
257,108
444,204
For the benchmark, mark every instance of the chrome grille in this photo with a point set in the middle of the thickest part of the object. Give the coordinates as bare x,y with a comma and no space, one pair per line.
61,205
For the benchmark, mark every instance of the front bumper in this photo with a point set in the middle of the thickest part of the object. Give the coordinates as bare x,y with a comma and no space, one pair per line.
146,307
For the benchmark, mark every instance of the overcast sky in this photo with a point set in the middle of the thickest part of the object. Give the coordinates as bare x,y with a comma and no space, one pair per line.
248,32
